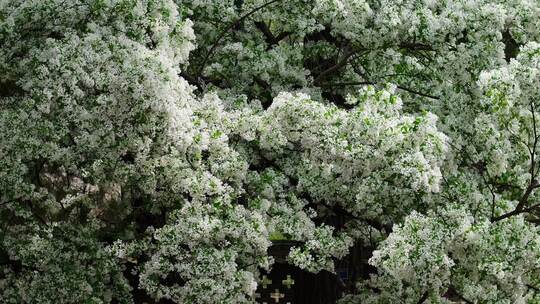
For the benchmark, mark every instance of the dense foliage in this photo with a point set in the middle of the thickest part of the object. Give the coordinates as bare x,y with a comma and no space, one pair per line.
152,149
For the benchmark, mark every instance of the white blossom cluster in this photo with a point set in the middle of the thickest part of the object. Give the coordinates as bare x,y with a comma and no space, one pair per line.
154,150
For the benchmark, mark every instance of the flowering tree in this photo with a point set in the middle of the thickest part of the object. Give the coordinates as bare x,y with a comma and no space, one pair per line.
152,149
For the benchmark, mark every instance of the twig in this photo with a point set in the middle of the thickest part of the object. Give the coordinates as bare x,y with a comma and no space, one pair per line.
533,183
342,62
227,29
340,84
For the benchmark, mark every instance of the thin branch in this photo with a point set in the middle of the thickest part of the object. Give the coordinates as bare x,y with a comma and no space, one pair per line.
341,63
536,289
493,197
36,214
6,202
423,298
354,83
516,212
362,71
534,143
463,299
452,293
341,211
227,29
344,84
418,93
533,183
416,47
269,38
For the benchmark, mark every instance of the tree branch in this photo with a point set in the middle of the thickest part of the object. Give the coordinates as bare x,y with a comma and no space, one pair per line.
340,211
533,183
354,83
341,63
423,298
227,29
453,294
417,93
269,38
536,289
515,212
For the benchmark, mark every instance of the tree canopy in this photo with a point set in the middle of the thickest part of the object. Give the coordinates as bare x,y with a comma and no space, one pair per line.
152,150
